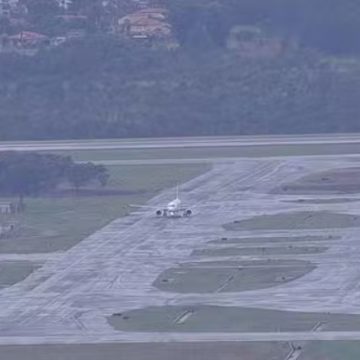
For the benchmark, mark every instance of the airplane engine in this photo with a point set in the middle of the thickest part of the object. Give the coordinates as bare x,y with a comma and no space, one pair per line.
159,213
188,212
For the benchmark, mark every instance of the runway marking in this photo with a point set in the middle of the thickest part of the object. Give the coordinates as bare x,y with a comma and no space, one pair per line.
181,319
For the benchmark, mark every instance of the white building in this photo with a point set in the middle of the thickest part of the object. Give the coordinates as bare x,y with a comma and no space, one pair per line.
7,208
65,4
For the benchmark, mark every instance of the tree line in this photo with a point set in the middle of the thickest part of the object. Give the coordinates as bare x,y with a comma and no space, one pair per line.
103,88
25,174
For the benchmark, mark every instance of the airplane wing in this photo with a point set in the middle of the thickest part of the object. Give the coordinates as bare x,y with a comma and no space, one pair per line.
144,206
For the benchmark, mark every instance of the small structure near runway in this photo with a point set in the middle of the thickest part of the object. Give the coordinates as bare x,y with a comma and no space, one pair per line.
7,221
7,208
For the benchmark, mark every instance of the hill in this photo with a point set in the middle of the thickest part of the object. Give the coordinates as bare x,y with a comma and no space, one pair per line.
229,67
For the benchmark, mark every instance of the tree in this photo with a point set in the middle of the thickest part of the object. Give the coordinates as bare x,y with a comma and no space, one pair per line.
80,175
30,174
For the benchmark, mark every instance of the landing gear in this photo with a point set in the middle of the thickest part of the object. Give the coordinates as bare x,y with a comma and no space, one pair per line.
173,214
187,213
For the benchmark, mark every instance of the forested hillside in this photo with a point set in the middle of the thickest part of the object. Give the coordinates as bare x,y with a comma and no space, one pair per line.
232,67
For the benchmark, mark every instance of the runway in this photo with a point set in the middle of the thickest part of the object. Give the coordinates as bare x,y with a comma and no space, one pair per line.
192,142
69,298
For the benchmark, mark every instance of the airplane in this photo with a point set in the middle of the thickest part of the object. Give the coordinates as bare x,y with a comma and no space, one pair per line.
172,210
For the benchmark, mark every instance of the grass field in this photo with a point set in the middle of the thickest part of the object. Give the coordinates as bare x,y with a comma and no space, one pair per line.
326,350
59,222
165,351
213,152
204,318
263,251
334,350
14,271
335,181
271,240
296,220
212,277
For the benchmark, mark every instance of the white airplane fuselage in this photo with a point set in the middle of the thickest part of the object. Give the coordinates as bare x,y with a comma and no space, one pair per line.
173,209
173,205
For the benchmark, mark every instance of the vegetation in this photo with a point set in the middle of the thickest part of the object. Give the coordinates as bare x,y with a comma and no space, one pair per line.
54,222
327,25
104,85
30,174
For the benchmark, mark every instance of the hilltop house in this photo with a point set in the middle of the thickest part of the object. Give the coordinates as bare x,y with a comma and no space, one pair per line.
146,23
26,40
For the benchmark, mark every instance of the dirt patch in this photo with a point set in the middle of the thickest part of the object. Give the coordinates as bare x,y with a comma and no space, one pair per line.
296,220
225,319
273,240
216,277
337,181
